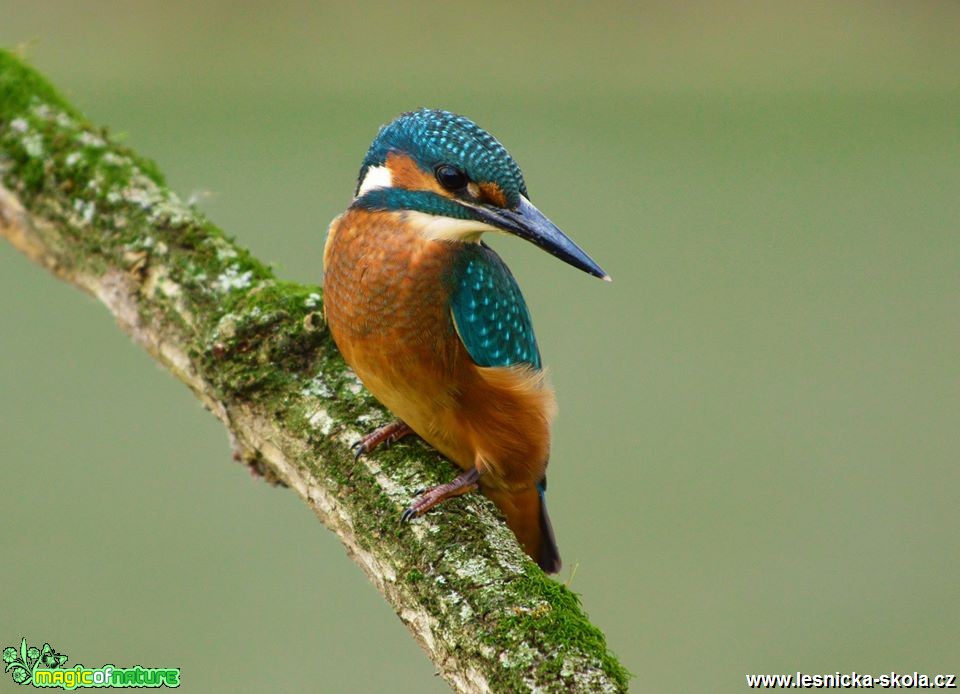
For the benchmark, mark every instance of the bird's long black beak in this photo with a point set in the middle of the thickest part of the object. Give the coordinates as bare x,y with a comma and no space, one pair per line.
529,223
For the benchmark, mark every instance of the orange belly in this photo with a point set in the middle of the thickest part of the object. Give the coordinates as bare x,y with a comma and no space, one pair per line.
386,299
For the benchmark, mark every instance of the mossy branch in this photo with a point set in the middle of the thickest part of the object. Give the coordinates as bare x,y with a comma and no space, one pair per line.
256,352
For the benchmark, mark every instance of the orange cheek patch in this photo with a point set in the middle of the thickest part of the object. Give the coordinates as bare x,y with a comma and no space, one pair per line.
405,173
491,193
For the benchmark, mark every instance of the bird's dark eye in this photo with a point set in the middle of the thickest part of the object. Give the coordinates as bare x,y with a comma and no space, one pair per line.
451,178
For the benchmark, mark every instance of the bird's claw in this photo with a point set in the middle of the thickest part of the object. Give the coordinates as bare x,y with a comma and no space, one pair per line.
384,436
426,499
421,504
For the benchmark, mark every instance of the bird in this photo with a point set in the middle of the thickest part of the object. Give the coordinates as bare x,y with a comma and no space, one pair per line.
432,321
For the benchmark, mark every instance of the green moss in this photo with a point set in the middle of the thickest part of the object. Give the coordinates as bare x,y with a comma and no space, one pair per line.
20,86
557,624
261,343
25,94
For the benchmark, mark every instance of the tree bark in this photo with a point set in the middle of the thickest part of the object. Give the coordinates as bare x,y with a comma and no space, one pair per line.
256,352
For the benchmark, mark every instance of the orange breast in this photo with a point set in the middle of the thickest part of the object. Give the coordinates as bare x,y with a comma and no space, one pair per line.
386,299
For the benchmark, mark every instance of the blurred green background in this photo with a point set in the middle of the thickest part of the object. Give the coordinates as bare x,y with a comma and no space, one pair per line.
755,465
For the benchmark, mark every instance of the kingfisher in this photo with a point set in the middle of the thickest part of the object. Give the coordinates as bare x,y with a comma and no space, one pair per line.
433,323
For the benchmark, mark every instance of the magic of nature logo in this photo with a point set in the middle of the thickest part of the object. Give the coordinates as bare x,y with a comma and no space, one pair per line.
44,667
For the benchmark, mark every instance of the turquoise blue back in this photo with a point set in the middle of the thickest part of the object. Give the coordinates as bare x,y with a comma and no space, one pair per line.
489,311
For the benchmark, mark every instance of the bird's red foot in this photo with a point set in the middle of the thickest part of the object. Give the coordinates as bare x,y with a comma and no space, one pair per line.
467,482
386,435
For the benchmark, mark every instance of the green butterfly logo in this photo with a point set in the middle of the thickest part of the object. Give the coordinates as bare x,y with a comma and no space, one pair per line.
22,663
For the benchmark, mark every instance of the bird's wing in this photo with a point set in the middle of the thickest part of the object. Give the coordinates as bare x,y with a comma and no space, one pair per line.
489,312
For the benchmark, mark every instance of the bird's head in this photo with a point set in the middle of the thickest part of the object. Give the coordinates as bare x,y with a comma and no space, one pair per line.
456,181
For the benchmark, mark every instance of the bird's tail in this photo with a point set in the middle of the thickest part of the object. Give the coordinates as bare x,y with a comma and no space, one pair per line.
548,555
526,513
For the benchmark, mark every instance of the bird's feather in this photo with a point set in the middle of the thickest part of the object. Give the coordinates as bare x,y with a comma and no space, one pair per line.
490,315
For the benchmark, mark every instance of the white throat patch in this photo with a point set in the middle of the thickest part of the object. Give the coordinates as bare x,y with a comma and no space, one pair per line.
437,228
376,177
